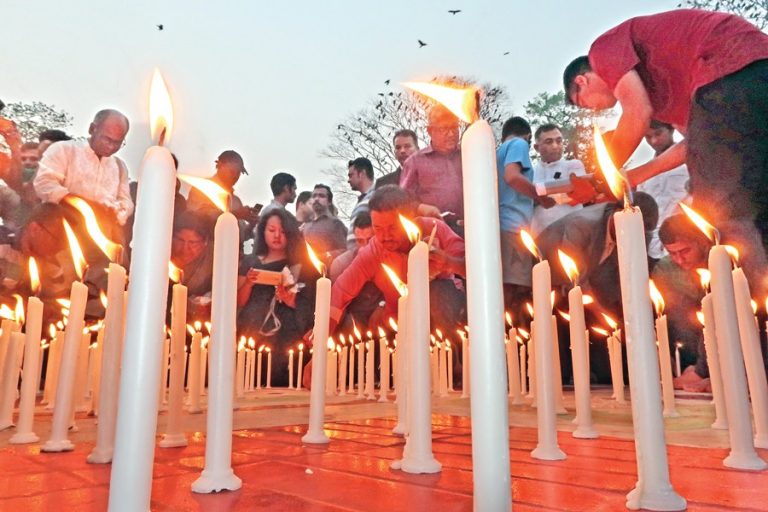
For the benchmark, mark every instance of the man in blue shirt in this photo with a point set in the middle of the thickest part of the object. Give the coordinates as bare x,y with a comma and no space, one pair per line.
517,196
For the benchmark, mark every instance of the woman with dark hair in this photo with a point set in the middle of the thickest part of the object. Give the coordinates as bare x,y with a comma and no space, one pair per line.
276,310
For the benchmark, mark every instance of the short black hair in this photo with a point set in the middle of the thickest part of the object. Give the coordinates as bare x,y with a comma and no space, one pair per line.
546,127
655,125
679,227
294,239
362,220
280,181
194,221
406,133
515,125
303,197
649,208
326,187
392,197
578,66
29,145
362,164
53,136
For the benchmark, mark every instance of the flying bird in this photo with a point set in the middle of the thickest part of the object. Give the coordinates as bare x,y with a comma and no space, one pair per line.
386,81
160,27
422,44
506,53
455,11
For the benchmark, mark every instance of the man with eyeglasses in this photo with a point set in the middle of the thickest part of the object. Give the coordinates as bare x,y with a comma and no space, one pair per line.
433,174
89,169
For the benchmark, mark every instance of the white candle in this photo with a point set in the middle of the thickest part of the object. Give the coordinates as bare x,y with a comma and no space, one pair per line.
166,367
523,369
330,384
665,363
269,368
557,372
217,474
343,367
290,369
240,369
417,454
742,454
753,357
401,366
653,487
315,433
465,382
249,369
370,368
10,379
81,381
195,360
258,367
678,370
619,363
300,371
449,360
29,380
384,372
52,370
174,432
513,367
5,339
434,368
204,366
65,400
713,362
360,368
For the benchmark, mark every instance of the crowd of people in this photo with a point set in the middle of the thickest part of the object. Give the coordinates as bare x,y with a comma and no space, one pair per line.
715,96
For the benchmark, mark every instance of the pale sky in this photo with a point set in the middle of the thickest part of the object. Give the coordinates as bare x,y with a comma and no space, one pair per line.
272,80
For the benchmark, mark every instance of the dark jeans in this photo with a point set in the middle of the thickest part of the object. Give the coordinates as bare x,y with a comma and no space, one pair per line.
727,157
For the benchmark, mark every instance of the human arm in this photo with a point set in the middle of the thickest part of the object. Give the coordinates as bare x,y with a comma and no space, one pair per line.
636,114
674,156
124,203
448,254
513,176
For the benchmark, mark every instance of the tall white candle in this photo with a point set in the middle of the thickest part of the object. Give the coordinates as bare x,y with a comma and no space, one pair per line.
195,360
10,379
32,333
315,433
713,362
217,474
258,367
174,432
290,368
343,368
269,368
678,370
523,369
240,369
449,364
665,365
753,357
401,367
300,371
384,365
557,372
360,368
370,368
513,367
465,379
52,370
81,380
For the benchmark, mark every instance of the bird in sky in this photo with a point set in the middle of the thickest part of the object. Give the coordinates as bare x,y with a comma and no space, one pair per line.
454,11
422,44
386,81
506,53
160,27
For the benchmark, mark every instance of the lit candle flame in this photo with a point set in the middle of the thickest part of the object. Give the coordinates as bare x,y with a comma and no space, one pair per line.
705,276
610,321
252,343
525,334
52,330
411,229
599,330
198,325
700,318
241,344
656,297
331,344
64,302
463,103
530,244
754,306
766,304
569,265
529,308
191,330
700,222
6,312
209,188
508,318
160,109
382,332
615,179
358,335
174,272
399,285
261,348
587,299
19,313
110,249
439,333
733,253
74,247
301,347
208,327
319,265
565,315
34,276
103,299
393,323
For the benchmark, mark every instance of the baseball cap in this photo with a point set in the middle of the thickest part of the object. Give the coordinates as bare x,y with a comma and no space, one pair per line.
232,157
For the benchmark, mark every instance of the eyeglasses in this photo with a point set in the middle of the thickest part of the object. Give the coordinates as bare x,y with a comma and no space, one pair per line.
192,244
110,141
443,130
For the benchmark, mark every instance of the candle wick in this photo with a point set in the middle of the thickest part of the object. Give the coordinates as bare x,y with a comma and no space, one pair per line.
161,141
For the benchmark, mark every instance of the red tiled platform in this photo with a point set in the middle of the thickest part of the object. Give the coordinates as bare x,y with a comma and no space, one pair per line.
352,474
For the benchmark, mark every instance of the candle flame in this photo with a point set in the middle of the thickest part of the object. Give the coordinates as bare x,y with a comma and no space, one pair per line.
267,350
411,229
290,351
198,325
754,306
191,330
369,335
733,253
613,176
261,348
382,332
525,334
700,222
700,318
19,313
60,325
530,244
569,265
463,103
599,330
74,247
160,109
610,321
766,304
343,340
6,312
251,343
52,330
656,297
110,249
34,276
241,345
103,299
174,272
64,302
587,299
331,344
508,318
212,190
552,297
393,324
358,335
208,327
439,333
529,308
705,276
301,347
319,265
399,285
565,315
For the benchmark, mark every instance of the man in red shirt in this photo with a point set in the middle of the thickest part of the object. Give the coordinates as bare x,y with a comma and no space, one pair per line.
705,73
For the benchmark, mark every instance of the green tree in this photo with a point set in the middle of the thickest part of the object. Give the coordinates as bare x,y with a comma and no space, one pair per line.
576,124
34,117
369,131
755,11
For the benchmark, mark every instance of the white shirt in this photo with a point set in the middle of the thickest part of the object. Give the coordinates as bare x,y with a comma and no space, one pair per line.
71,167
668,189
542,172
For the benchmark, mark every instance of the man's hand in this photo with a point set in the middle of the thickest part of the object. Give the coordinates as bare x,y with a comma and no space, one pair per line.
427,210
583,190
545,201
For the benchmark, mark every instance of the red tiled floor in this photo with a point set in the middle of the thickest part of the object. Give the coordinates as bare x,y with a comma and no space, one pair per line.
352,474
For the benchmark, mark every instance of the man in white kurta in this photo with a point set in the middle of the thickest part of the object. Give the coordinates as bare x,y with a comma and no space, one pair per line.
89,169
548,142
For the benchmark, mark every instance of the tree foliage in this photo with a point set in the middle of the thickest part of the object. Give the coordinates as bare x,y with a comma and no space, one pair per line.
755,11
32,118
576,124
368,132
